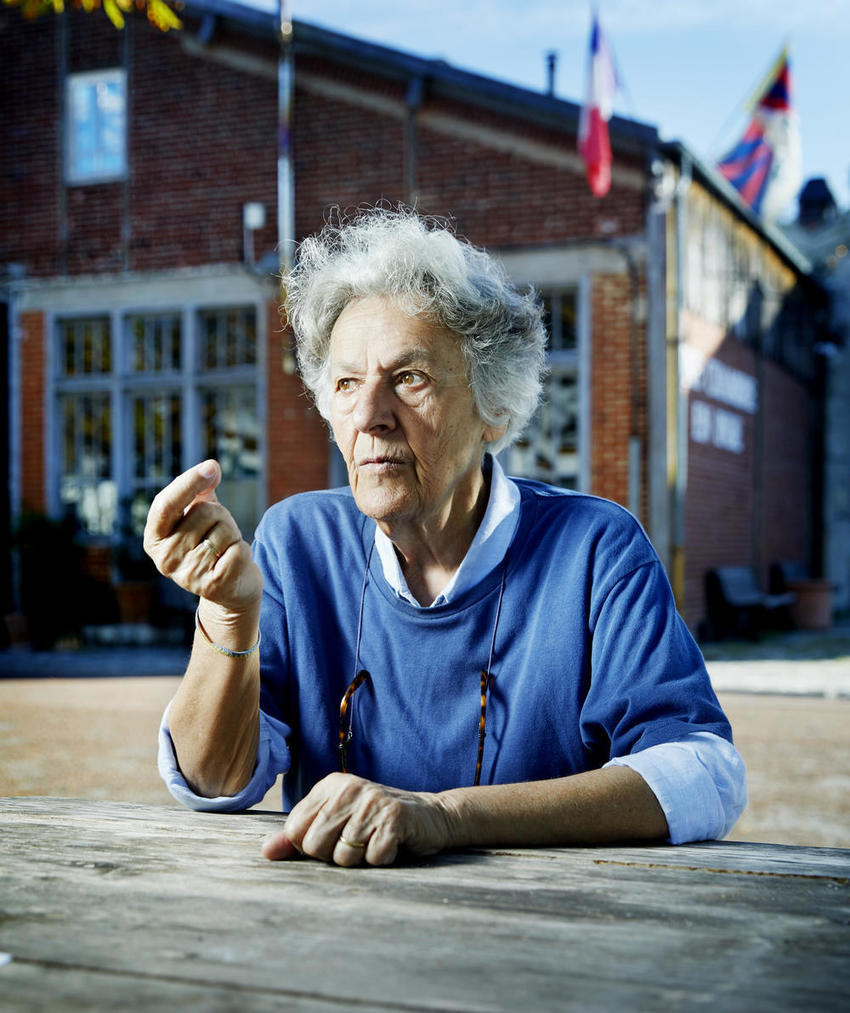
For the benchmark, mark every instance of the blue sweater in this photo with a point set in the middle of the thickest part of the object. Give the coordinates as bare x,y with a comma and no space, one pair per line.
591,659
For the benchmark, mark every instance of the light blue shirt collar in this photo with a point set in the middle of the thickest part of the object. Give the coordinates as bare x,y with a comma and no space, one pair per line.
488,548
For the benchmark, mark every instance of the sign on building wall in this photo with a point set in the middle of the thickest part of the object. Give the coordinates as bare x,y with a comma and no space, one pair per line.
709,423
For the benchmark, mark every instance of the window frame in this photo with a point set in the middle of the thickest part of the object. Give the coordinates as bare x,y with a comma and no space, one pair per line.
73,174
563,363
123,384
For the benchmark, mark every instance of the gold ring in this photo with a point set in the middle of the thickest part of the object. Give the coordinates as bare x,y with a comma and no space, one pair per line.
351,844
208,545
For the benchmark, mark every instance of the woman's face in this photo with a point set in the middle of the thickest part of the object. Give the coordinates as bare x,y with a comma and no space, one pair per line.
403,415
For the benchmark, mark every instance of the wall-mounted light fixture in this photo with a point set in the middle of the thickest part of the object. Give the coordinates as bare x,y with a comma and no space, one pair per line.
253,218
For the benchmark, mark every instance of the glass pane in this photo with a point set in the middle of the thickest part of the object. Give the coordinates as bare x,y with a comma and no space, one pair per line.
155,343
228,338
548,450
85,346
560,319
568,320
231,435
86,485
138,345
96,125
157,437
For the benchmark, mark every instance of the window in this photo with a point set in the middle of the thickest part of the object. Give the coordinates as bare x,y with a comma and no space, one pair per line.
131,416
155,343
548,450
95,125
559,310
86,347
231,434
228,338
85,435
157,435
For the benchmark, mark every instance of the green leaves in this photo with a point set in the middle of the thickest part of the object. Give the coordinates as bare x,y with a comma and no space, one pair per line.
159,12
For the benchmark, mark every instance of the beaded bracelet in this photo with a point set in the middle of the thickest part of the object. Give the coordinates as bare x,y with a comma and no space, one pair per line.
226,651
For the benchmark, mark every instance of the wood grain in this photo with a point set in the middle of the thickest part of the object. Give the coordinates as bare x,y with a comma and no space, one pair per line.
122,906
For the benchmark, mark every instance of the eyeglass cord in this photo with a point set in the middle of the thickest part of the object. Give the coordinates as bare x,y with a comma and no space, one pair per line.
485,674
360,613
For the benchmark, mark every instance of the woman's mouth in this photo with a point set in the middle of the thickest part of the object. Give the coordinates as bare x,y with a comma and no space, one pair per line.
380,465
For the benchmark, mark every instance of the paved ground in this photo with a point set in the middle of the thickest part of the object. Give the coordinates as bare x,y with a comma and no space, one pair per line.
83,724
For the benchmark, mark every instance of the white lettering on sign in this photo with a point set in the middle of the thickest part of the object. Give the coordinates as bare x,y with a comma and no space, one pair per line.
720,428
715,379
700,422
728,431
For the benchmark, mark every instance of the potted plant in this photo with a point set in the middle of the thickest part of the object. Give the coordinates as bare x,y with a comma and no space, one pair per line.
135,584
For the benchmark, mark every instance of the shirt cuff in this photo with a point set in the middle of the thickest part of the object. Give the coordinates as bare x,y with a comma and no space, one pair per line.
272,759
699,781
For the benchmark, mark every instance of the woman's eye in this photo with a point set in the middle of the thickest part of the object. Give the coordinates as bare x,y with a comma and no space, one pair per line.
409,379
345,385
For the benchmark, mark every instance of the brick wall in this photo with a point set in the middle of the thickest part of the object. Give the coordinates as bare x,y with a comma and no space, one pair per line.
505,181
32,410
788,458
751,508
29,152
203,142
297,437
611,390
190,172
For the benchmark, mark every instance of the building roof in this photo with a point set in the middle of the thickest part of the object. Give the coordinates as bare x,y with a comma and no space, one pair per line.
441,78
445,80
721,188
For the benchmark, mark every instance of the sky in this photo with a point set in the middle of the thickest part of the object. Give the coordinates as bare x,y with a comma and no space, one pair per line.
687,66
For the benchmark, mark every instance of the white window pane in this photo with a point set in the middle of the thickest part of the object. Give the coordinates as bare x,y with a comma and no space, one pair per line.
96,126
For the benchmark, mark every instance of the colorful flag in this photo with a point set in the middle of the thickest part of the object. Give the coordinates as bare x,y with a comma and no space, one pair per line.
594,144
765,166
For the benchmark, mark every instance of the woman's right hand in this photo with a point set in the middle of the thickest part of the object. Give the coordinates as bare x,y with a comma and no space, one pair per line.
214,716
195,541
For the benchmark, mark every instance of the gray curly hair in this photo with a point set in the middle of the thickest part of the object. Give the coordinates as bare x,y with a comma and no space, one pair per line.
425,270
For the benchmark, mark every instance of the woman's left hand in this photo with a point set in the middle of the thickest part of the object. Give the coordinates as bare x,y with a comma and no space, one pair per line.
348,820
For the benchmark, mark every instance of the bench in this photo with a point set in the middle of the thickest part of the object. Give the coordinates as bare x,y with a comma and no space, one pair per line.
736,604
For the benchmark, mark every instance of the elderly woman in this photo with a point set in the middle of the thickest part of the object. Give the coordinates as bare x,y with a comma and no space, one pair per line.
440,655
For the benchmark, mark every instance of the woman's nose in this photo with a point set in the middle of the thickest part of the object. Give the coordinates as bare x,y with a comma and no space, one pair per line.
373,408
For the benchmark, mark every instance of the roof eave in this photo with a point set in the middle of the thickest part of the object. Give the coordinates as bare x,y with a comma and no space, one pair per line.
723,189
442,79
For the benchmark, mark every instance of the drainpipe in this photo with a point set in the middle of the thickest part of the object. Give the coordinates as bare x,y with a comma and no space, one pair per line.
285,168
678,398
658,494
413,101
635,472
61,186
14,429
126,209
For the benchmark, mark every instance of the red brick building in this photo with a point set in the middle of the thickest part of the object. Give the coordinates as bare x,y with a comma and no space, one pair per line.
143,205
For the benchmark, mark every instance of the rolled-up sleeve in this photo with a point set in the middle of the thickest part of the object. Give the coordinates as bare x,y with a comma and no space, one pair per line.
272,759
699,781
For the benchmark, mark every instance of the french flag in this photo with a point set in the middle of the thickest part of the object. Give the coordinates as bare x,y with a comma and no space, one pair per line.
594,144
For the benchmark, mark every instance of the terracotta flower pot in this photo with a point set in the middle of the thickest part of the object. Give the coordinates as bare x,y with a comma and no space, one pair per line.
813,608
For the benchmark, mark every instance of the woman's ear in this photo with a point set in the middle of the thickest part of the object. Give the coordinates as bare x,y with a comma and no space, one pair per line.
493,433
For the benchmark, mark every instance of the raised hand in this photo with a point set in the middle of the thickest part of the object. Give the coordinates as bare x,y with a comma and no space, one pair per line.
194,540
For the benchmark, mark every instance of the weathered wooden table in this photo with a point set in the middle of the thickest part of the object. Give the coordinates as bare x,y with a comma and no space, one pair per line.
107,906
